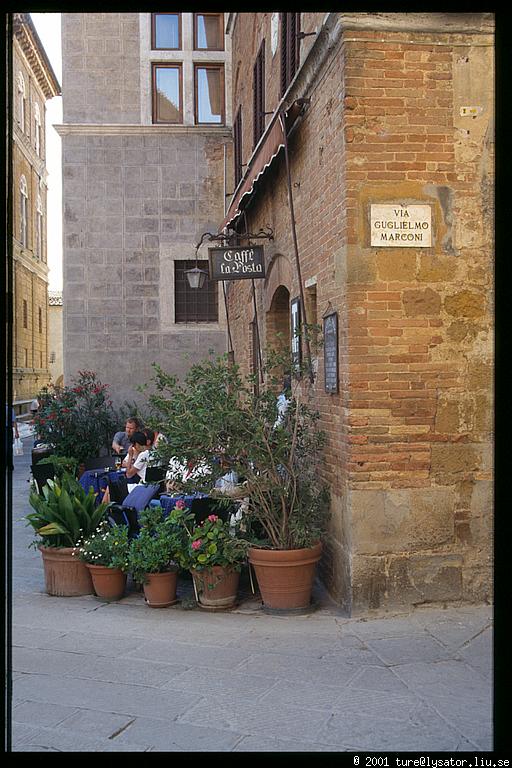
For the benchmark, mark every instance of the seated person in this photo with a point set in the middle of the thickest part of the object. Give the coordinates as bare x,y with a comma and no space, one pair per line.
121,441
136,460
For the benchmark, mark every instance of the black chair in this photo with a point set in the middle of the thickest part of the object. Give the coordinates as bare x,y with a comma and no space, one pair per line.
118,489
41,473
201,508
100,462
155,474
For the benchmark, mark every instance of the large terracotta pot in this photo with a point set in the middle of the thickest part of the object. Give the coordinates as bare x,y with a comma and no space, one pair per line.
109,583
64,574
285,576
216,587
160,589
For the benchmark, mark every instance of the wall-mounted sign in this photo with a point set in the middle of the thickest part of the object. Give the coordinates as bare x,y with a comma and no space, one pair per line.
401,226
331,352
241,263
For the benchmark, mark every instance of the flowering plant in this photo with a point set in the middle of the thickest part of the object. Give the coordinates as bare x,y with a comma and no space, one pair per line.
213,542
107,546
77,420
156,548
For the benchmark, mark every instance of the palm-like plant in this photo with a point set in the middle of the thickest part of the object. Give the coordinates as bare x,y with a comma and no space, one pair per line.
66,514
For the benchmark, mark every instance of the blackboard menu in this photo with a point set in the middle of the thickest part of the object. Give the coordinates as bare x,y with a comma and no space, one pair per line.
331,352
236,263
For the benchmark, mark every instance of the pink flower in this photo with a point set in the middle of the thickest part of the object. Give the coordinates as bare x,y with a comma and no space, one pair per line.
212,518
180,504
196,544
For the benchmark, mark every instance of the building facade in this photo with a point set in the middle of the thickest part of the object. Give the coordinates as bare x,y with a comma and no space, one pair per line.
146,139
388,126
34,82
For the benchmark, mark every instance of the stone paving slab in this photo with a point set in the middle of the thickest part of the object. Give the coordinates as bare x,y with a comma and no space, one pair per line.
34,739
168,736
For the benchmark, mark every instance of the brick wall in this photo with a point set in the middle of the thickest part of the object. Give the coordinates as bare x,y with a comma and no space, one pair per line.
409,447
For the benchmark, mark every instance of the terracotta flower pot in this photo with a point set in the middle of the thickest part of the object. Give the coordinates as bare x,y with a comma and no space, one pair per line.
285,576
109,583
160,589
217,587
64,574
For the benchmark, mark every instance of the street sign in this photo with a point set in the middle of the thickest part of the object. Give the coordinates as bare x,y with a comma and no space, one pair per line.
241,263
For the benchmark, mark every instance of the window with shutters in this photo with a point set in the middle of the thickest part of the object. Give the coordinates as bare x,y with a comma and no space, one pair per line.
194,305
290,28
259,95
237,152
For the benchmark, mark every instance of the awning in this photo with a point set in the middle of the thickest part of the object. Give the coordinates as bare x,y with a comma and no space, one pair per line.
261,160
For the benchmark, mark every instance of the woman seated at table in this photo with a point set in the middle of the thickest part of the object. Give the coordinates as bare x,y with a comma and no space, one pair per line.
136,462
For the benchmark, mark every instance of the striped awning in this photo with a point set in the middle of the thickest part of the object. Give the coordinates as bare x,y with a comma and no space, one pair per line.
261,160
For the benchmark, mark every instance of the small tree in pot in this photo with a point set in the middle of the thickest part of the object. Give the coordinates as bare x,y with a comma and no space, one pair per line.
215,419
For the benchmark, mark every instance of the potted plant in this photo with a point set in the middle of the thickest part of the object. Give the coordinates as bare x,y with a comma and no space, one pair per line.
214,555
63,516
152,555
216,418
105,554
77,420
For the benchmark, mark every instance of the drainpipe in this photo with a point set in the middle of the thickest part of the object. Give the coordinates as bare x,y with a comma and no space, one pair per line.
296,249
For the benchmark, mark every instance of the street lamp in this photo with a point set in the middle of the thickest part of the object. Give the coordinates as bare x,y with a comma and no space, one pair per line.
196,277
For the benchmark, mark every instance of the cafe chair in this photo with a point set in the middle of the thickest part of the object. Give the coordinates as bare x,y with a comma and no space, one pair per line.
41,473
100,462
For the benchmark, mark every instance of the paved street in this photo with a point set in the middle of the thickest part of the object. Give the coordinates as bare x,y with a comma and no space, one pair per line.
122,677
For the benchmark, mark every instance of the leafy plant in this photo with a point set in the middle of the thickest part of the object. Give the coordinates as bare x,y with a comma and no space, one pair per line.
77,420
159,541
66,514
213,542
214,418
107,546
61,464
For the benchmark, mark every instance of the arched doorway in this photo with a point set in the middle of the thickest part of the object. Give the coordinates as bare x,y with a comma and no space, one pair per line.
278,319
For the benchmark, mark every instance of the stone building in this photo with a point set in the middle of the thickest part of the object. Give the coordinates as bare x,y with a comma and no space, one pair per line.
34,82
146,138
389,128
55,346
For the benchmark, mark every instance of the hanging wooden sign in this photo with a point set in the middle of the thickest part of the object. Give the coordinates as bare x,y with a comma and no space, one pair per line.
242,263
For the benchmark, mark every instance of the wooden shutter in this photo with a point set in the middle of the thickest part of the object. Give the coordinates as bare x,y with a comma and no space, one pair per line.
259,95
290,27
237,137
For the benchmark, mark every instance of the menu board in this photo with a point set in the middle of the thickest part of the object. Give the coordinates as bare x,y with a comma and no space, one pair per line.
331,352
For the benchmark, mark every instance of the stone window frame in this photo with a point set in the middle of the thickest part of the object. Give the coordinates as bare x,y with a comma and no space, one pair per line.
214,66
23,212
153,32
166,65
22,97
221,31
37,128
39,229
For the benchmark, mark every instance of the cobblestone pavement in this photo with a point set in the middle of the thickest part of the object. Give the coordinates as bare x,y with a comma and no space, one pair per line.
90,676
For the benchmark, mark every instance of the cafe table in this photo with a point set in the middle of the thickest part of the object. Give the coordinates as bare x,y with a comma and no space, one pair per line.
98,479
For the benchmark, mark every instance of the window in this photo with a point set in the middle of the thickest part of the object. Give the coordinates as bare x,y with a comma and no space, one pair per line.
290,23
40,320
259,95
208,31
25,313
23,211
237,151
166,31
167,98
209,93
39,229
37,128
194,305
51,359
40,359
22,94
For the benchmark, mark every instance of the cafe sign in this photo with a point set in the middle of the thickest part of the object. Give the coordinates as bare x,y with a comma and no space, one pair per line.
401,226
236,263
